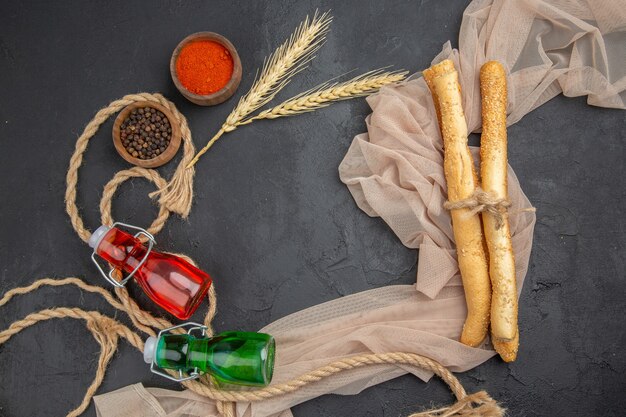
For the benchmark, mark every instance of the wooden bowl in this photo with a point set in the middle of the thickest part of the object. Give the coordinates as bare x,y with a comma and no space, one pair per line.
221,95
165,156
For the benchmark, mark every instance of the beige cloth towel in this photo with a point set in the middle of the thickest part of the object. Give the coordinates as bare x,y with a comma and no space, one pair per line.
395,172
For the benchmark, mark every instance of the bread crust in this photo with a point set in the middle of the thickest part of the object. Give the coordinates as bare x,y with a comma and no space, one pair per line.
442,80
507,349
493,167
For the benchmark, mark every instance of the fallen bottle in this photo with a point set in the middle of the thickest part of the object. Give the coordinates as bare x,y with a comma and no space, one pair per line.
169,280
231,358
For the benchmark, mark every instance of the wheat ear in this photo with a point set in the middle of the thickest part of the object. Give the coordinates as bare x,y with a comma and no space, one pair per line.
328,93
289,59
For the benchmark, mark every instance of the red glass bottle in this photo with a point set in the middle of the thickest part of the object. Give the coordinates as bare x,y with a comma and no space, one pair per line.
168,280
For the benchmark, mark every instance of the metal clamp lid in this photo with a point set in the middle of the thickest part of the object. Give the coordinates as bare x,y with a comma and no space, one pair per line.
155,369
109,277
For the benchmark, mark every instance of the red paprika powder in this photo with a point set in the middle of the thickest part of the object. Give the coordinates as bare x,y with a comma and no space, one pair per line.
204,67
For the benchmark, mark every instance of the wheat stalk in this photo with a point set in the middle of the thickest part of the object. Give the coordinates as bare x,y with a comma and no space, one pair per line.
289,59
328,93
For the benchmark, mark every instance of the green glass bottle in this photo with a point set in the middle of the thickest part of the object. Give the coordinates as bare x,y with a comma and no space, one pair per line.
239,358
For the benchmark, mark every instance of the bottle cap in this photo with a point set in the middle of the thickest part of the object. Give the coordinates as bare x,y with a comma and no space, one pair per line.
96,237
149,349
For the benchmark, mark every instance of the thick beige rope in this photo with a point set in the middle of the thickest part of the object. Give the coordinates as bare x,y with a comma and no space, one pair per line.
176,197
104,329
480,201
119,178
353,362
107,331
479,404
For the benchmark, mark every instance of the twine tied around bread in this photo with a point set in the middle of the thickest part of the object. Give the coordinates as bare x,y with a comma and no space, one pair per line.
177,197
483,201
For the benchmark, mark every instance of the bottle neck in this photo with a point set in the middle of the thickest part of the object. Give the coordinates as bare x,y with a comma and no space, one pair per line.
182,352
120,249
198,353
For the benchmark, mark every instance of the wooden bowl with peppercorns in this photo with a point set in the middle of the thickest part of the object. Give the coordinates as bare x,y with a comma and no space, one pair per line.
146,134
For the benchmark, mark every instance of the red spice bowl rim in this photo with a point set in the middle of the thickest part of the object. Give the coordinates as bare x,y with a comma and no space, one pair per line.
225,92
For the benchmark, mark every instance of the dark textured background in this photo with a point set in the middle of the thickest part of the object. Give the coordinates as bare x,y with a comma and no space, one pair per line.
270,214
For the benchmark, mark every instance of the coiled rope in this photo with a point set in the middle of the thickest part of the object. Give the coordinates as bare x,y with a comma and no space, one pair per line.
177,197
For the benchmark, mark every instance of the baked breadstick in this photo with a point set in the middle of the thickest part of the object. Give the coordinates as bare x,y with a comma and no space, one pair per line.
460,174
493,167
429,75
506,350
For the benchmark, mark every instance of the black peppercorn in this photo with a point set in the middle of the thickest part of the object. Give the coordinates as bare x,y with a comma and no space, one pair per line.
145,133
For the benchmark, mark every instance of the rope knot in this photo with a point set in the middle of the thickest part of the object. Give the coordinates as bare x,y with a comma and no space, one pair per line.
104,330
482,201
479,404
